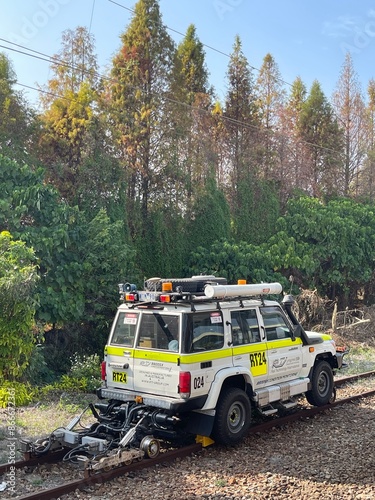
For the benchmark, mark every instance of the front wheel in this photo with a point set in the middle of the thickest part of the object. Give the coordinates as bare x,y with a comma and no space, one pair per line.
233,417
322,386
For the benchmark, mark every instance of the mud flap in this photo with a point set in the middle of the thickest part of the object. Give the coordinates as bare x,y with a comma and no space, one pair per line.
199,423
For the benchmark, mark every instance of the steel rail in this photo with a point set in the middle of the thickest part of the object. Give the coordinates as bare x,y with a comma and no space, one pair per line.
353,378
168,456
103,477
48,458
99,478
307,413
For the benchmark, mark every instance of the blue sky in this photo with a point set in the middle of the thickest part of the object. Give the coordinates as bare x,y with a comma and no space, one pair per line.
307,38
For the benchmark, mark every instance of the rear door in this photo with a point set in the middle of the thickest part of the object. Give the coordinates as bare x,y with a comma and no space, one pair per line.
120,350
156,354
205,351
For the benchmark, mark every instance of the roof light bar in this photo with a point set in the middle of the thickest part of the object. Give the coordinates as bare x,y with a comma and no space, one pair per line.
226,291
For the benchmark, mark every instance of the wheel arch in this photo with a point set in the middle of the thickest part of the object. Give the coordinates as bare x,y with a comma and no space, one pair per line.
324,356
225,379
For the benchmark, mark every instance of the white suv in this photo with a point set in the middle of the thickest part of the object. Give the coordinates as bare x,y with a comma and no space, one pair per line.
199,355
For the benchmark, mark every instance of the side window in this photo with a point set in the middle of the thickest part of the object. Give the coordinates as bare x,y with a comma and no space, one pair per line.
159,331
205,331
124,331
245,328
275,324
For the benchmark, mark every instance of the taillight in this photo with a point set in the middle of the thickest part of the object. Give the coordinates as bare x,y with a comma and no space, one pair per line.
185,384
165,298
131,297
103,370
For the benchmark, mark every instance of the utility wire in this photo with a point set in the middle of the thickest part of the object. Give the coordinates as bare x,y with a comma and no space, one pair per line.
204,44
172,29
56,60
92,15
52,94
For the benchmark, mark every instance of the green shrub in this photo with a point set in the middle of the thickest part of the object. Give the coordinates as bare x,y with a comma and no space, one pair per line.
16,394
83,377
86,370
38,372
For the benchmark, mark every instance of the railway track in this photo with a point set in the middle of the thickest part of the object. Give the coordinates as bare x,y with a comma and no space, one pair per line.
88,480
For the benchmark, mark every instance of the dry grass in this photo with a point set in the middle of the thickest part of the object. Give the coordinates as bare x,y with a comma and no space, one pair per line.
40,419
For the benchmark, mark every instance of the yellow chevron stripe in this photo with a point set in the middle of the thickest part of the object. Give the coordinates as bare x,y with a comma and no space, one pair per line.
170,357
276,344
205,356
118,351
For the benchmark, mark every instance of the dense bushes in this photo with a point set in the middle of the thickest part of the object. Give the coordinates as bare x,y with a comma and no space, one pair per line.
83,376
330,247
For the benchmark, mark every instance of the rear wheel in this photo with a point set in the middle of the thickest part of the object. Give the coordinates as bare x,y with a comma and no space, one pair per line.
233,417
322,386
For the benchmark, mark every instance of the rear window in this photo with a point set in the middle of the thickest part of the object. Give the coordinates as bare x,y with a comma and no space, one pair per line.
125,329
244,326
203,332
159,331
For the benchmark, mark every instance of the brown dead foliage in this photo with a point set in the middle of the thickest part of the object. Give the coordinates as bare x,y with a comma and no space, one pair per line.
355,326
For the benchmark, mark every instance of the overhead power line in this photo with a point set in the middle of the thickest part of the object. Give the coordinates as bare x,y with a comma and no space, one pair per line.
60,62
172,29
204,44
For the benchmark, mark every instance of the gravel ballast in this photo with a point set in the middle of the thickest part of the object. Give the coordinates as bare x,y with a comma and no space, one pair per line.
329,456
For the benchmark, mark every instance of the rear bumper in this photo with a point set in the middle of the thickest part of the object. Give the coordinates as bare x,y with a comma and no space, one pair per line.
169,404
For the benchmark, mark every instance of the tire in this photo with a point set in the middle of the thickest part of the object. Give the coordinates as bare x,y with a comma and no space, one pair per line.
233,417
322,386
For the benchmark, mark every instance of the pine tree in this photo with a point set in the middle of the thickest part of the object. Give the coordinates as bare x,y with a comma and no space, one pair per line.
190,71
270,93
242,139
322,136
140,80
62,145
74,64
139,100
75,145
349,108
291,171
241,119
190,114
367,174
